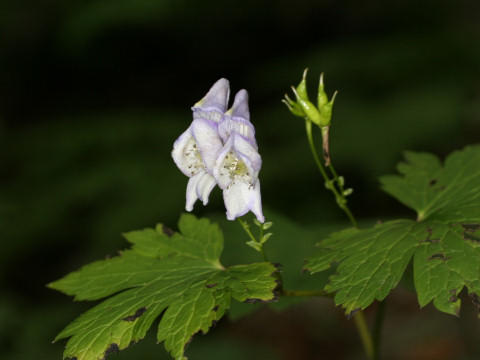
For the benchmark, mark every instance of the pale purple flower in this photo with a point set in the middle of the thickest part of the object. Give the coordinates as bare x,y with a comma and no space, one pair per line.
238,162
220,148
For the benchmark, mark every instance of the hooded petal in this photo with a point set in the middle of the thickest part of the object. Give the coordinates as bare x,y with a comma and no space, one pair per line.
237,125
240,105
208,141
248,152
214,104
237,119
240,198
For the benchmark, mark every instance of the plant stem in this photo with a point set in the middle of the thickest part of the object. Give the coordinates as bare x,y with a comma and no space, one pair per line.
246,227
339,197
364,333
308,127
377,329
332,184
259,247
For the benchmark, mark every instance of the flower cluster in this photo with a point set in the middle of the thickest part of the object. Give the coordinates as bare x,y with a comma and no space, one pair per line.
321,114
219,148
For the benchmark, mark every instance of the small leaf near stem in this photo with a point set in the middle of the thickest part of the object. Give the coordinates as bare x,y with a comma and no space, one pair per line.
254,243
257,244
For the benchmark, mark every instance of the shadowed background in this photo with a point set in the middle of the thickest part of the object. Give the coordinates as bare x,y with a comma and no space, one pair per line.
93,94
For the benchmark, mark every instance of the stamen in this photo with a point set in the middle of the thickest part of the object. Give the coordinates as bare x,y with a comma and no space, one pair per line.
192,155
237,170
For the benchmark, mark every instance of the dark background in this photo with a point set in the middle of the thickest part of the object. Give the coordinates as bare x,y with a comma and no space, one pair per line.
93,94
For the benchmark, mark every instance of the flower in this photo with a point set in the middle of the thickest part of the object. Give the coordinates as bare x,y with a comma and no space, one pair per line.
238,162
189,156
220,148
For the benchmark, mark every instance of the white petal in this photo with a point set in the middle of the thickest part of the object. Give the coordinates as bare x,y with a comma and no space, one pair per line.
191,194
186,155
241,198
256,207
179,149
238,200
208,141
205,187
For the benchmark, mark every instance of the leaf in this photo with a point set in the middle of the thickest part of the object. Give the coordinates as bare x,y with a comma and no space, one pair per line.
444,241
372,261
450,193
446,262
177,274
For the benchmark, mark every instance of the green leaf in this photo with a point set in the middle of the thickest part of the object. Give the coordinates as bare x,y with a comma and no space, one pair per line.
177,274
450,193
444,241
447,261
372,261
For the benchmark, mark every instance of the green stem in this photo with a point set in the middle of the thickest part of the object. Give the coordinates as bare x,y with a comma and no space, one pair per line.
340,198
246,227
308,127
335,176
259,247
343,204
359,318
364,333
377,329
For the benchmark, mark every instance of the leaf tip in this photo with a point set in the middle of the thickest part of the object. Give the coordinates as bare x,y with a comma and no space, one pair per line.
352,313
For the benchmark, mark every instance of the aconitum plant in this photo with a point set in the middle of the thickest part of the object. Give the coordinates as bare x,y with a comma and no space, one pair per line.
177,275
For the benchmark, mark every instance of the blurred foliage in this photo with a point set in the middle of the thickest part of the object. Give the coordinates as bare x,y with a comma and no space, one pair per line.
93,94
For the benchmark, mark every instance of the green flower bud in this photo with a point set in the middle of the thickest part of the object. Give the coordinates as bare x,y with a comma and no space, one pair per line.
326,111
294,107
302,87
322,98
308,108
302,107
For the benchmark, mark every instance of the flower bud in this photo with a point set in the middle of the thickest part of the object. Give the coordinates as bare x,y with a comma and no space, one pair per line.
323,104
326,111
322,98
320,115
302,87
308,108
294,107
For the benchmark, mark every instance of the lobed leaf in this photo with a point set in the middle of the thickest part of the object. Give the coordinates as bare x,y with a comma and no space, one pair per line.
371,261
449,194
177,274
447,261
444,241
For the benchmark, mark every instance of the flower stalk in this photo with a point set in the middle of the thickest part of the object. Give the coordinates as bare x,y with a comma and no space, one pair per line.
321,116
